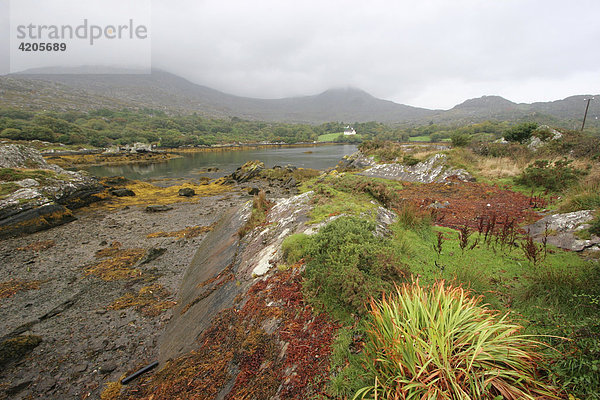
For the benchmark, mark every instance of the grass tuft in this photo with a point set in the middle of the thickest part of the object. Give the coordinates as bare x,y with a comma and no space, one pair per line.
440,343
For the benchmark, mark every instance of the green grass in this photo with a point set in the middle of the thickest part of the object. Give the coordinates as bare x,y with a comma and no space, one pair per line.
424,138
7,188
329,137
551,298
12,175
329,200
556,296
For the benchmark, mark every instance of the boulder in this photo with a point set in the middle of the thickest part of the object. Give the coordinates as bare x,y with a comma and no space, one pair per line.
384,219
249,170
290,183
355,161
187,192
562,228
123,192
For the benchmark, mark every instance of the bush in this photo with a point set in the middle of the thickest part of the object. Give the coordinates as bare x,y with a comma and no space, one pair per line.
552,177
439,343
512,150
460,139
347,264
520,133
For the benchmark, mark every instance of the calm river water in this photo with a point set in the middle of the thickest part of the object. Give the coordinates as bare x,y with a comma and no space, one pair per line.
194,165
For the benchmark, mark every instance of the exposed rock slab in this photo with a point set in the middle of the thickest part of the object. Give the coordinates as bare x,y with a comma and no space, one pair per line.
434,169
562,228
225,266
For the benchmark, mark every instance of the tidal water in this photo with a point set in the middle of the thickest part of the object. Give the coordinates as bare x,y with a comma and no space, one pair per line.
194,165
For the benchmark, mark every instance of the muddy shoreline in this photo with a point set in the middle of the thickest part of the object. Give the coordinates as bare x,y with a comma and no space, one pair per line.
86,340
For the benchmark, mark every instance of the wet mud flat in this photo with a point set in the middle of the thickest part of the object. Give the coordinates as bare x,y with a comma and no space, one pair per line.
85,302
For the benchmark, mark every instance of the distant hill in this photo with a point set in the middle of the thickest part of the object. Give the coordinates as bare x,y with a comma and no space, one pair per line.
567,112
78,89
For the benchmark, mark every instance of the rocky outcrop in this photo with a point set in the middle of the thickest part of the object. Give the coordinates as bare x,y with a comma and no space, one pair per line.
434,169
355,161
43,200
562,228
226,266
249,170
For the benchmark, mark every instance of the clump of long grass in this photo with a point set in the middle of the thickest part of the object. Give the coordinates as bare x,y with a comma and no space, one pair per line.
412,217
440,343
258,216
583,196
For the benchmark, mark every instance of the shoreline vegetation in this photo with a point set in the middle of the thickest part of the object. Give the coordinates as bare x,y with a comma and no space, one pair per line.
489,244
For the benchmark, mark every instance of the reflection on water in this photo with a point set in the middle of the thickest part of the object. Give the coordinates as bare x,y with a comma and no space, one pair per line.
195,164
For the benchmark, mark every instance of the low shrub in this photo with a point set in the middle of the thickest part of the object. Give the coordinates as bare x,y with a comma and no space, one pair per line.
460,139
512,150
410,160
346,265
520,133
439,343
554,177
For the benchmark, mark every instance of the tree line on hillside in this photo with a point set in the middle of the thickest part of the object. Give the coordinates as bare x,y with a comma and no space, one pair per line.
103,128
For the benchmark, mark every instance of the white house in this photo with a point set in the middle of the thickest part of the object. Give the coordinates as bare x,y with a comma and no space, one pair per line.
349,131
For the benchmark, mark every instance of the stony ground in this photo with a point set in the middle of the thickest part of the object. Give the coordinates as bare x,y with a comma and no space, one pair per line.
66,285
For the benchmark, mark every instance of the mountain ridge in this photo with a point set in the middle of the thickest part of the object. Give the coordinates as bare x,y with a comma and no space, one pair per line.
166,91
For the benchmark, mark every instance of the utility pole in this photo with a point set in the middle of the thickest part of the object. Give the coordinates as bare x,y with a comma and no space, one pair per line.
586,110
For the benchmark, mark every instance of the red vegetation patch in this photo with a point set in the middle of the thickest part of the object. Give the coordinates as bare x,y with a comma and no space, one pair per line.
273,345
469,202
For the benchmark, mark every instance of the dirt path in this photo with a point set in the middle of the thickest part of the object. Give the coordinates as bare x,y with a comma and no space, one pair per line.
72,280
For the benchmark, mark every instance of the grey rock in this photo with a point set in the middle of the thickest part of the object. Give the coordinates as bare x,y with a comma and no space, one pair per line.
562,228
107,368
248,171
437,205
80,368
290,183
122,192
45,385
18,387
152,255
187,192
384,219
434,169
535,143
21,211
27,183
355,161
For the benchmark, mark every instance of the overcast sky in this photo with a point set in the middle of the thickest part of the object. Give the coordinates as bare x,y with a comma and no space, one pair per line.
427,53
